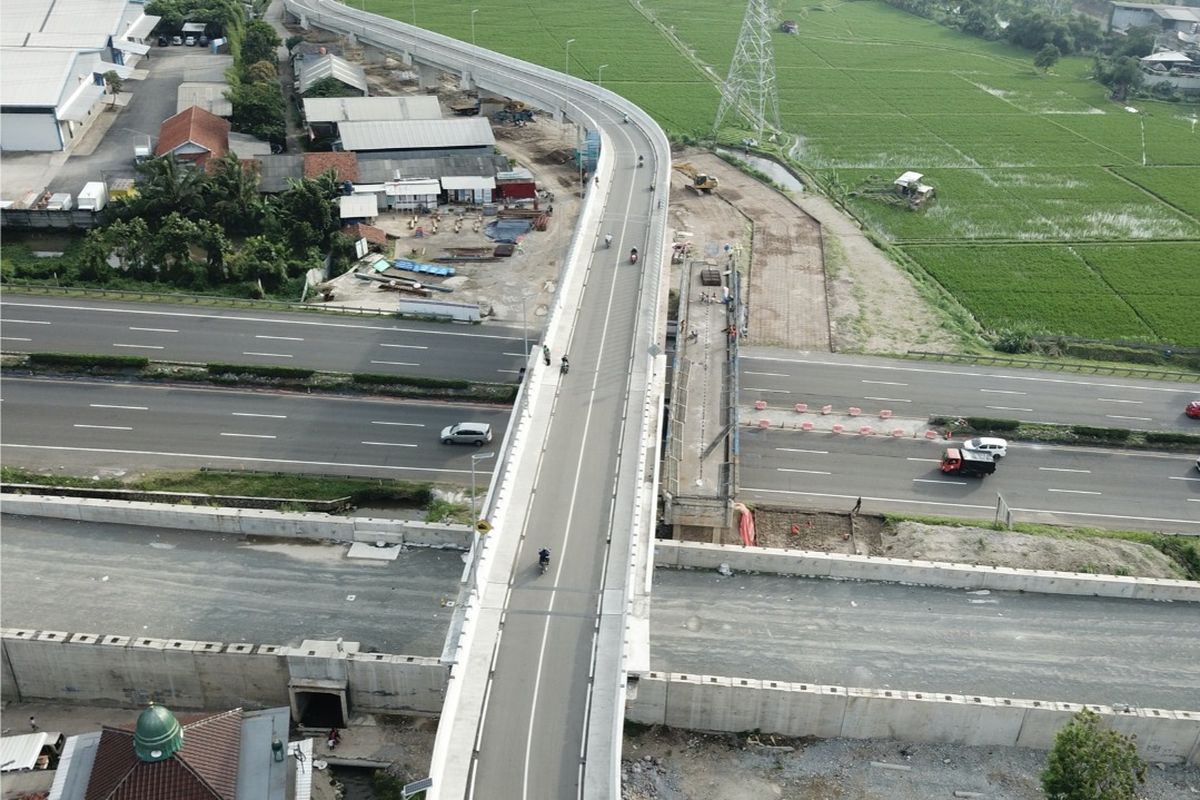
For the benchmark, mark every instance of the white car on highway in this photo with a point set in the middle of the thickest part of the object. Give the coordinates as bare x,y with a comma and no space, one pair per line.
987,444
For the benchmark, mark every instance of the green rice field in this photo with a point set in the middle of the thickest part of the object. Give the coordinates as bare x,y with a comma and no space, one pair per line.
1057,209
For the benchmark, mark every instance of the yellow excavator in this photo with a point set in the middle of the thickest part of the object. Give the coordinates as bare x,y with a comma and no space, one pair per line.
700,182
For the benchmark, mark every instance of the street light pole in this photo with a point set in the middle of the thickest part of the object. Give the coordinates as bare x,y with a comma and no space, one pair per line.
476,544
568,69
474,11
600,77
524,327
475,458
414,12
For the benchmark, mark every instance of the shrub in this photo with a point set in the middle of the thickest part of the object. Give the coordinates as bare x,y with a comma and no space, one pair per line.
1170,437
88,360
259,371
1184,551
989,424
375,379
1105,434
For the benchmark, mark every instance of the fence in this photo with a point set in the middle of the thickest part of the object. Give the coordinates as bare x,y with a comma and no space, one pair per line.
1090,369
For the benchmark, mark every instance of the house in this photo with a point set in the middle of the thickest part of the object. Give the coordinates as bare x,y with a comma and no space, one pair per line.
1174,68
353,208
193,136
275,172
468,134
231,755
208,95
344,166
1168,18
468,189
325,114
310,71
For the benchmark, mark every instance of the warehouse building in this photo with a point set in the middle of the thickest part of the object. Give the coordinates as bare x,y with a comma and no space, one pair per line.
325,114
467,135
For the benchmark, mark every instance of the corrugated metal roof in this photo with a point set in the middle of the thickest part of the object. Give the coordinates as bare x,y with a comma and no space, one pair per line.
21,752
33,77
358,206
416,134
412,188
141,27
77,107
366,109
331,66
373,168
275,170
475,182
303,760
209,95
131,47
75,767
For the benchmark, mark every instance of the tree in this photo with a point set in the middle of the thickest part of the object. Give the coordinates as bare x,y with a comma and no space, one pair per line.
113,84
1047,57
331,87
232,197
1092,762
258,109
262,72
259,43
260,259
164,186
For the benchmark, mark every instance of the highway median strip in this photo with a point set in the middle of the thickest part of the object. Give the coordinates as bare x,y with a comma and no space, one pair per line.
260,376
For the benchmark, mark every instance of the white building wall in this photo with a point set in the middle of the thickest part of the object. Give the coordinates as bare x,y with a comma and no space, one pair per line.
29,132
1125,18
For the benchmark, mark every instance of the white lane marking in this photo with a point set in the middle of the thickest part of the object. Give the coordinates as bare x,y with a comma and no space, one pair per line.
405,346
516,355
400,424
388,444
154,330
1139,419
768,391
397,363
1113,400
9,321
1001,391
123,408
105,427
964,373
767,374
1072,491
257,460
886,383
440,332
279,338
989,509
888,399
250,435
14,339
805,471
798,450
1181,478
510,371
249,414
140,346
927,460
940,482
1008,408
1064,469
268,355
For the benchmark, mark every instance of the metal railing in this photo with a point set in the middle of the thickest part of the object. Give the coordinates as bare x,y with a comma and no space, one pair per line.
1026,363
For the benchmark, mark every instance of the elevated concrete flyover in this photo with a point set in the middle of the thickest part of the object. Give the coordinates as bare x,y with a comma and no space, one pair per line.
536,696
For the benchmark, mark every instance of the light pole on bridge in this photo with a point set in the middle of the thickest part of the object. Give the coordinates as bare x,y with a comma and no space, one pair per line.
600,77
568,69
474,11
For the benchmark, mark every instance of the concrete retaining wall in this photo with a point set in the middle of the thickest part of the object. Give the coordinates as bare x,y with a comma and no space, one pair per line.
694,555
241,521
97,669
713,703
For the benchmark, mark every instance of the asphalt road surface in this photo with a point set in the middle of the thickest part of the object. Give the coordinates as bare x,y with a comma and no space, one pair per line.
1040,483
169,584
337,343
114,428
873,635
919,389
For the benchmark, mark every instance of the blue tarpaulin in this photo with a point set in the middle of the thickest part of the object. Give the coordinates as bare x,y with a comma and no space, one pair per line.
424,269
507,230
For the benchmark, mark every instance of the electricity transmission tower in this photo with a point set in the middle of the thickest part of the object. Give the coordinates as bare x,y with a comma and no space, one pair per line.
750,88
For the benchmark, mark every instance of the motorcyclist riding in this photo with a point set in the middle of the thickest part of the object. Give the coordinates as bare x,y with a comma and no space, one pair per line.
608,240
543,559
566,365
641,161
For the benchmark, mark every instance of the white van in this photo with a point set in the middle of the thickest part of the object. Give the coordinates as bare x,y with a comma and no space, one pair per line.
475,433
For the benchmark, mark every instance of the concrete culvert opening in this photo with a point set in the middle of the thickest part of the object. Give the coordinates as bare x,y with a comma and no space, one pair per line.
316,709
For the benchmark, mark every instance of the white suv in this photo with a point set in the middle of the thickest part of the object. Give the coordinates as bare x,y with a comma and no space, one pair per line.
987,444
475,433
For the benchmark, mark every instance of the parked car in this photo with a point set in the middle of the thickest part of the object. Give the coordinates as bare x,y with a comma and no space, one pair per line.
1193,409
202,41
190,41
475,433
987,444
163,41
176,40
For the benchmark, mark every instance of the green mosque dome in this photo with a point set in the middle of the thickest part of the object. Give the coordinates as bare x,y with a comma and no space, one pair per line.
157,736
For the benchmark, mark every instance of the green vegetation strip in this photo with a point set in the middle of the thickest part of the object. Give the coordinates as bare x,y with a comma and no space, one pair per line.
1183,550
1068,434
265,375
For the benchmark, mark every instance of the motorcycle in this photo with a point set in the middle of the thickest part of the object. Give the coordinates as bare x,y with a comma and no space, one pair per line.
608,240
565,367
543,561
633,255
641,161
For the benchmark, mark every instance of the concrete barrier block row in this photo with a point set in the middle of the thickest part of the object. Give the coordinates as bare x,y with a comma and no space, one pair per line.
698,555
241,521
715,703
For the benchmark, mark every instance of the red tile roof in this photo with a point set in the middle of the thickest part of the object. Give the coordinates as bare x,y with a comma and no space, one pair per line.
344,165
195,126
369,232
205,768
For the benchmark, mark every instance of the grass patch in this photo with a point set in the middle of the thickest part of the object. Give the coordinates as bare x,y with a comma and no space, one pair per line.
362,491
1183,550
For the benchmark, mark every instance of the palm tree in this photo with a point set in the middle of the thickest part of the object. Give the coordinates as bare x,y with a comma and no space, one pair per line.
233,198
164,186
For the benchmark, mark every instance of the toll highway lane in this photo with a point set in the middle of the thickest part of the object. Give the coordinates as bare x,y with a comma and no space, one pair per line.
338,343
920,389
887,636
118,427
1041,483
170,584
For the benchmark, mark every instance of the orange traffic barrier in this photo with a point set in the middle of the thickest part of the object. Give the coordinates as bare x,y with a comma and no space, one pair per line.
897,432
764,423
838,428
885,414
801,407
759,405
806,426
826,409
930,434
855,411
865,430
